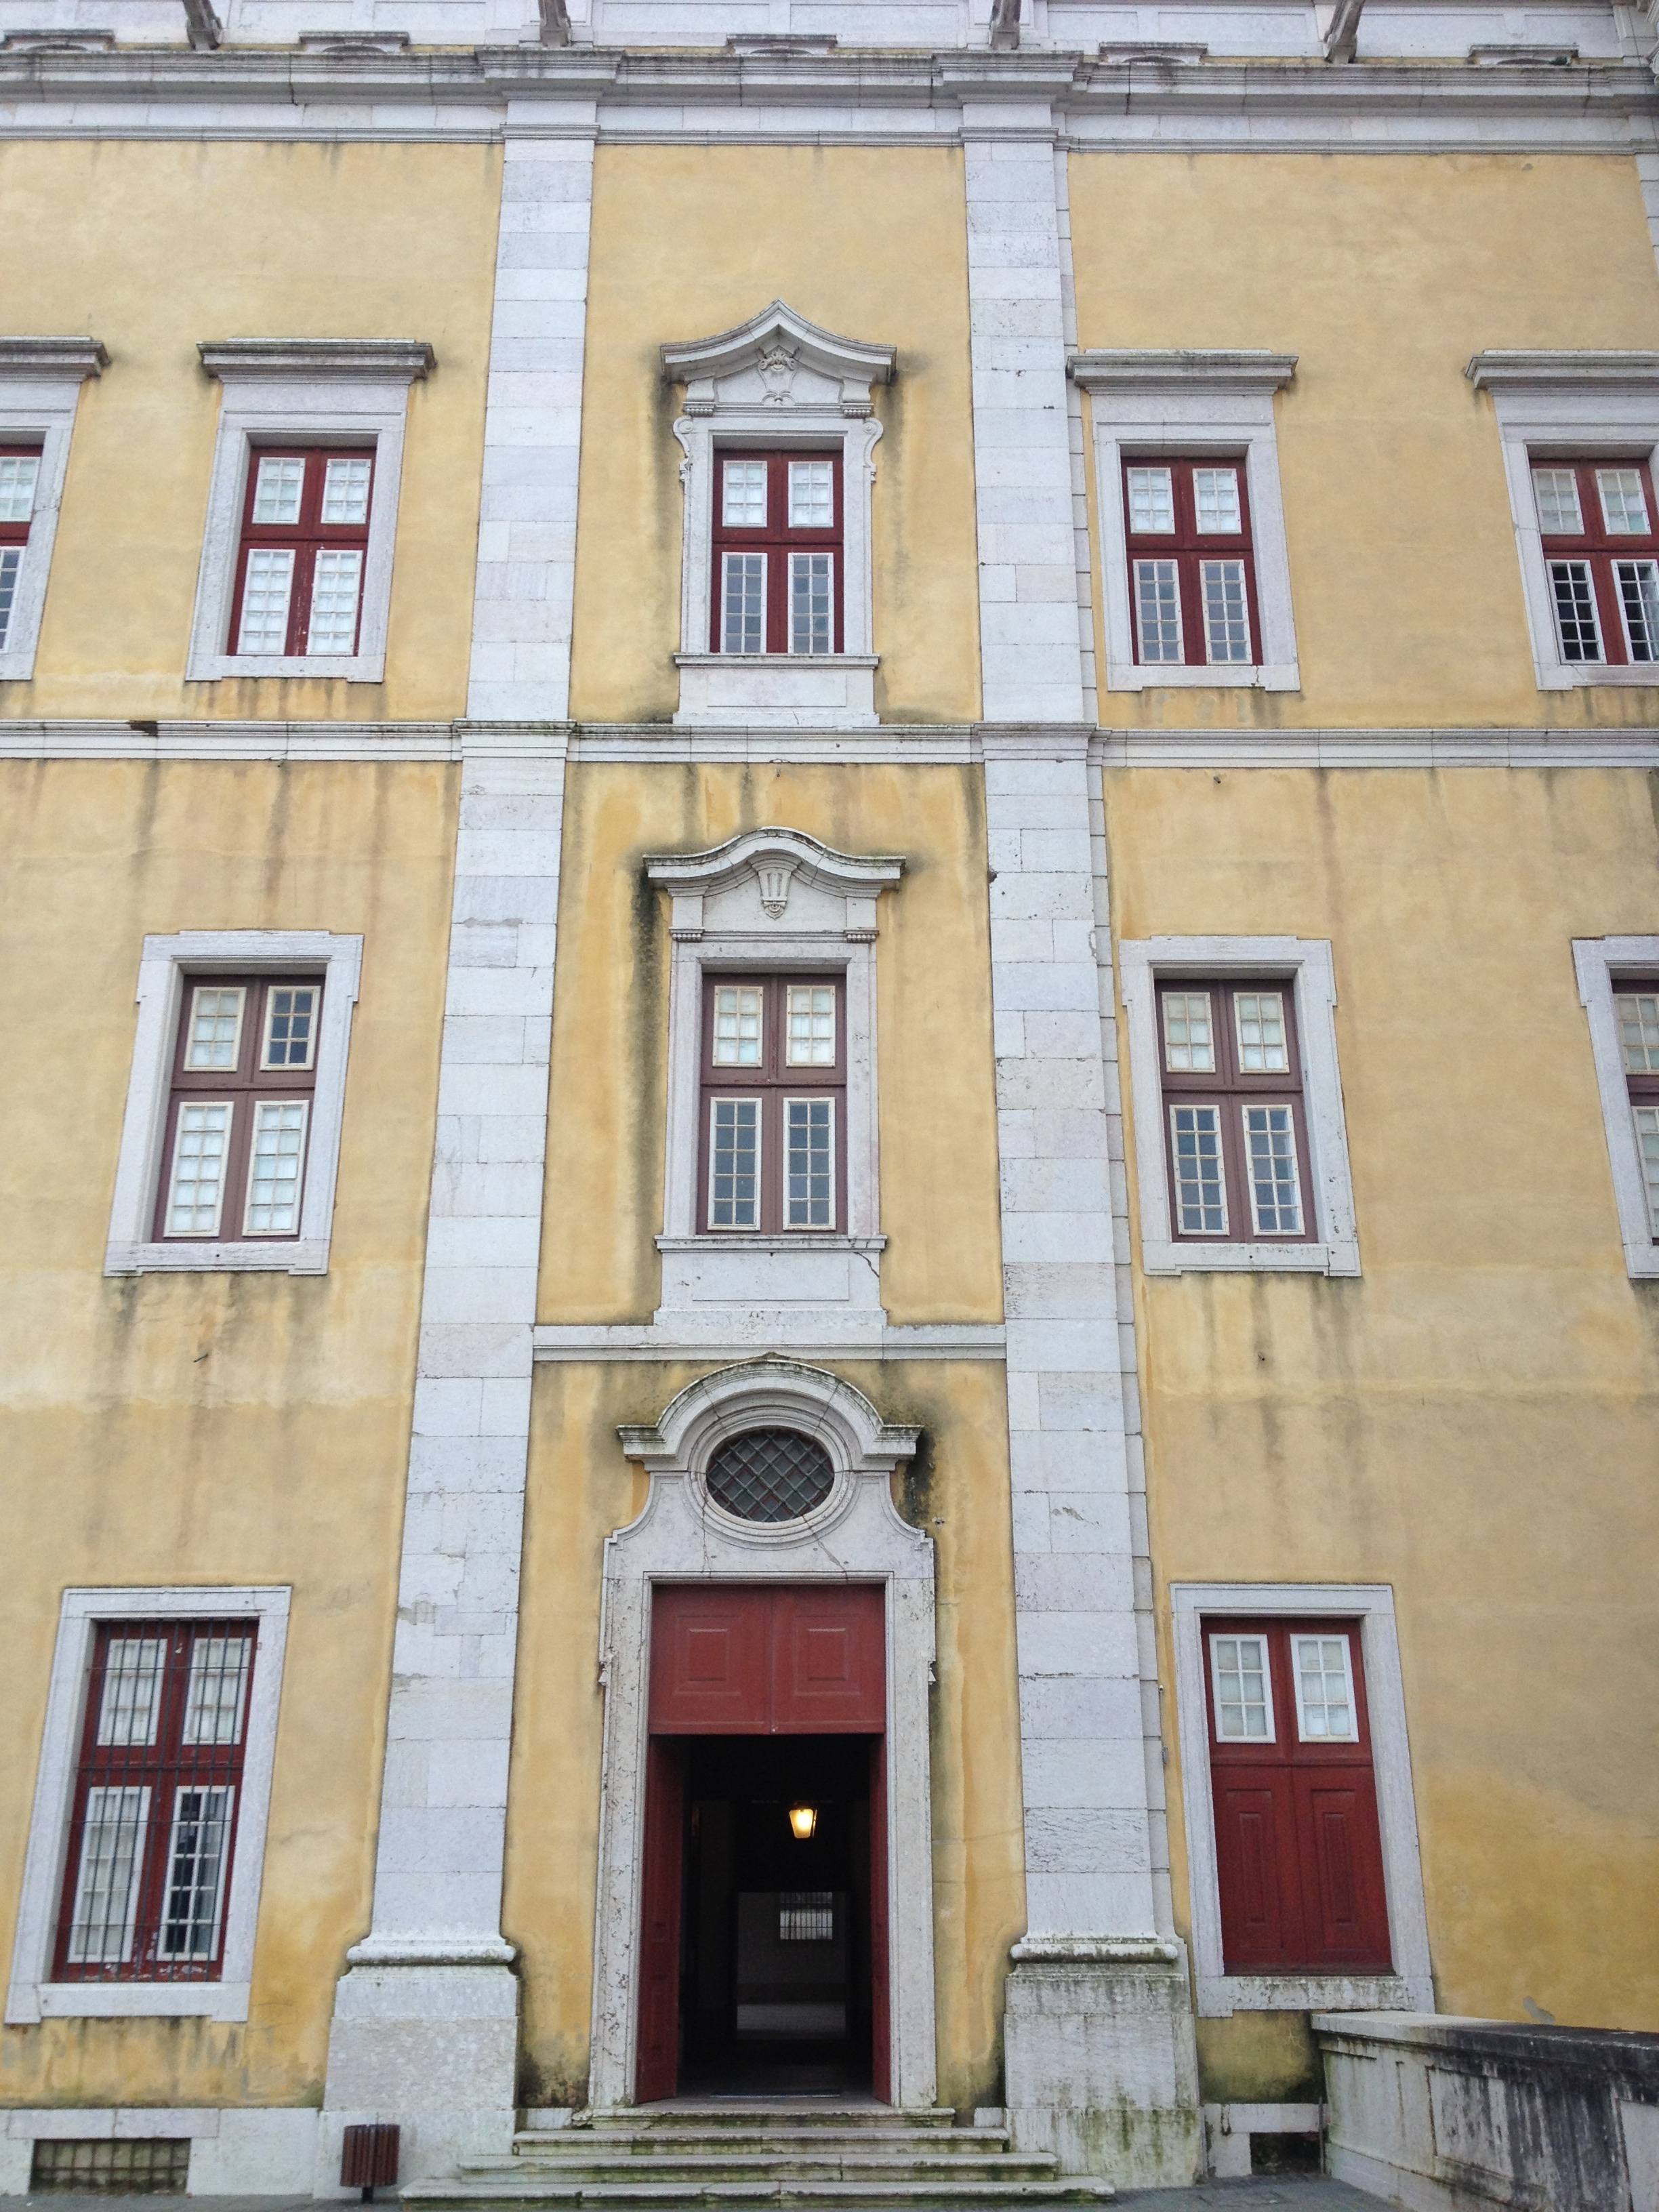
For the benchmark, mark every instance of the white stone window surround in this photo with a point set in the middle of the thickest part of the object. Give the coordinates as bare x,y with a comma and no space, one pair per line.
1190,404
771,901
680,1536
320,391
1410,1988
40,381
1560,406
131,1249
777,382
32,1996
1599,962
1305,965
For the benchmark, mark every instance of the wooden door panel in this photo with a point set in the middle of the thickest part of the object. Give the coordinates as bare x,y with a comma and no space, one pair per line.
711,1661
1256,1850
1344,1899
828,1675
657,2074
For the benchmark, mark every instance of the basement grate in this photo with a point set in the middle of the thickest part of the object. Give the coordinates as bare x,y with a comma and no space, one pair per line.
153,2166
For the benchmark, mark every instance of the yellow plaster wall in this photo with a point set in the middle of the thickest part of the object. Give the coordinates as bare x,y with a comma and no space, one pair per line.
152,248
1384,275
221,1428
1472,1420
580,1489
939,1169
690,241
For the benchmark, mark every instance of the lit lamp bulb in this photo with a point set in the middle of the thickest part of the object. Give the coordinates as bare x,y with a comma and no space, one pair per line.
803,1819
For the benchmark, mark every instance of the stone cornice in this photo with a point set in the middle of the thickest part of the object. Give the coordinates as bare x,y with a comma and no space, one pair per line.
381,361
1141,369
52,357
1561,370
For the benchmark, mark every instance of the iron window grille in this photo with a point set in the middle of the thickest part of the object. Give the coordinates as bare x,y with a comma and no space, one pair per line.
770,1474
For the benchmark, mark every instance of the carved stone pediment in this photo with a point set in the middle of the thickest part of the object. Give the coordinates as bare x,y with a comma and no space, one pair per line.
779,362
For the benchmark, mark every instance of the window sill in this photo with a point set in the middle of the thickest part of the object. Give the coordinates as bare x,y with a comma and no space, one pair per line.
1163,1256
1132,676
237,667
130,2001
302,1255
1556,676
778,690
1220,1997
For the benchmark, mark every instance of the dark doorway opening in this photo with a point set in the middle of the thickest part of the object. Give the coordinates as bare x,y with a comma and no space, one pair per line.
776,1955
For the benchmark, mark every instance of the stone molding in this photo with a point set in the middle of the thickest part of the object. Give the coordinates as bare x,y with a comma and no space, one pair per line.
702,364
1597,962
860,1338
680,1536
1146,369
40,381
1562,370
377,361
52,360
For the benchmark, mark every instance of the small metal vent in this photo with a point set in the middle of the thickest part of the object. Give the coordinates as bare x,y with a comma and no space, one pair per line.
806,1916
770,1474
152,2167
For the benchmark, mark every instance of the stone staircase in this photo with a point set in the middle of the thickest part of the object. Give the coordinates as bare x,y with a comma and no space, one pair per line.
810,2156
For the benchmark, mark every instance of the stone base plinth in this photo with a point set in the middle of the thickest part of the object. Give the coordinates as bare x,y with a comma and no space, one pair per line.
1100,2060
434,2047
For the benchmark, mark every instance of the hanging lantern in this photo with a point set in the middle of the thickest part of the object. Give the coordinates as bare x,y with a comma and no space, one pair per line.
803,1819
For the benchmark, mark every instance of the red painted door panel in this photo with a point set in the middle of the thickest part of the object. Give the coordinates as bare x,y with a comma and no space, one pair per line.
657,2074
1342,1871
766,1662
881,2037
1260,1924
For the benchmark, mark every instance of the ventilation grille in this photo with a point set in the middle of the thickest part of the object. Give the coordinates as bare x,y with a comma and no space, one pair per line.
770,1474
155,2165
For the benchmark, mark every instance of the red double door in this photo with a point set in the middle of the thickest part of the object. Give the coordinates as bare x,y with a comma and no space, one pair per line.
736,1660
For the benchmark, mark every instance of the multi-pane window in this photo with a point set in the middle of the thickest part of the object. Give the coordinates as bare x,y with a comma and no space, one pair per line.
305,540
772,1139
777,553
19,480
1192,573
1234,1113
1298,1844
1597,522
153,1825
1636,1009
239,1116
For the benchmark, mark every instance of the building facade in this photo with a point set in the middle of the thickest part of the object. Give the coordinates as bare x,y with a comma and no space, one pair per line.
833,830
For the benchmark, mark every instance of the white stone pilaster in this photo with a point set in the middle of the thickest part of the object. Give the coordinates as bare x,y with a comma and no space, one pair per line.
526,578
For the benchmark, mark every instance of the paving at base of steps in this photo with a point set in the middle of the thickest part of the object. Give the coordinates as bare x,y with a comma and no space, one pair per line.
1296,2193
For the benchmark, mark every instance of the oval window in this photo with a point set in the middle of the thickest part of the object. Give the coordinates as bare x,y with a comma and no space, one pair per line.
770,1474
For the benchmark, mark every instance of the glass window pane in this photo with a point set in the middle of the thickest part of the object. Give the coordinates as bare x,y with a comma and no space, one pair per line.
1226,618
1151,500
734,1143
811,1041
1624,509
1195,1166
1647,1144
743,602
334,587
812,602
1639,603
1576,626
1259,1019
809,1191
345,490
218,1688
19,475
1271,1170
277,489
1158,610
195,1873
197,1189
812,495
1188,1039
107,1883
11,567
1215,497
266,591
1243,1701
742,495
1324,1694
290,1025
130,1707
1637,1013
1556,491
738,1013
274,1171
215,1026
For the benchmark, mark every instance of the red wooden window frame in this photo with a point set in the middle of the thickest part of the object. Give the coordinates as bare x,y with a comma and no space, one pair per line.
1298,1843
307,538
16,535
168,1768
1641,1086
1600,548
1231,1088
1188,548
244,1086
772,1081
777,540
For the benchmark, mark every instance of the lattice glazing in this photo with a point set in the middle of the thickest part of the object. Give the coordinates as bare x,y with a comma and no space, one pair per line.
770,1474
